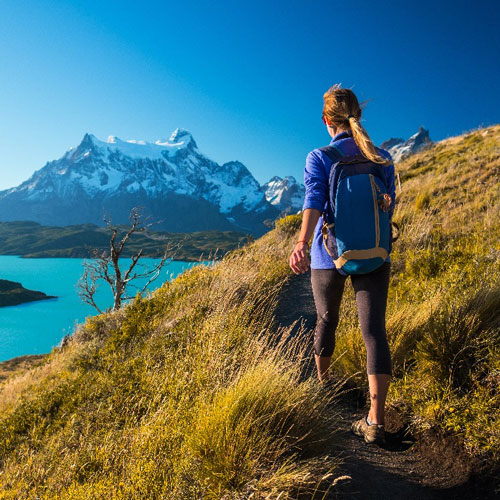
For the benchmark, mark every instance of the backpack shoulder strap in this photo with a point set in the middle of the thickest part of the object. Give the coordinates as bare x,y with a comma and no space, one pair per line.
338,156
334,153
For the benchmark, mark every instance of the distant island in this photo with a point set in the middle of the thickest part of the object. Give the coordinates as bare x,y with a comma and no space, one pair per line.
30,239
13,294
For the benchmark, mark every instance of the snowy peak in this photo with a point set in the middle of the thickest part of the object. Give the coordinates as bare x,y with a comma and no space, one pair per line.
286,194
399,148
180,139
181,135
390,143
275,180
421,137
114,172
89,141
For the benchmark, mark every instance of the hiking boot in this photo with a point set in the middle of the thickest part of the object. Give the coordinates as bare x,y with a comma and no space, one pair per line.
372,433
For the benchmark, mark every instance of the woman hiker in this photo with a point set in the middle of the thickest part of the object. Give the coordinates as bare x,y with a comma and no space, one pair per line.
342,115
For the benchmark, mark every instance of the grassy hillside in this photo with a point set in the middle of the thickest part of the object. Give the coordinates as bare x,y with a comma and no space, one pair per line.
30,239
179,395
444,302
186,394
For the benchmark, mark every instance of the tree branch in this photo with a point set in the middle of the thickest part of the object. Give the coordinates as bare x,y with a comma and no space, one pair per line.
135,258
86,288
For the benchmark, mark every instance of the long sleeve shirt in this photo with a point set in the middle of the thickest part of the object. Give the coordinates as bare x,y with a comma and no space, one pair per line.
316,176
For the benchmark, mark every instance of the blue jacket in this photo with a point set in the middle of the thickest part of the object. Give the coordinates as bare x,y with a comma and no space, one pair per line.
316,175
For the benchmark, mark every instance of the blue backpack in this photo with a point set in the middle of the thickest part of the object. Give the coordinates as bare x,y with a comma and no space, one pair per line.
357,232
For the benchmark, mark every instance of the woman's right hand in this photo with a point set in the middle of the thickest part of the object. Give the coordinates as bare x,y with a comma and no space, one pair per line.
299,260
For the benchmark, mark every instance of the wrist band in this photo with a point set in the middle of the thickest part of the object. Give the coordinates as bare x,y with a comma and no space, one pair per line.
302,241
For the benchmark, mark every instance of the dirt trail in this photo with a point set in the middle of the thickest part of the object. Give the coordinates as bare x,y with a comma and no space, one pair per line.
424,468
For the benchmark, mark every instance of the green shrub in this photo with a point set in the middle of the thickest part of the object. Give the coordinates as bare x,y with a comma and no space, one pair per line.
289,225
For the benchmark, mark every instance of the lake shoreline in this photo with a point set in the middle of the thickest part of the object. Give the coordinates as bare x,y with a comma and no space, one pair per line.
38,326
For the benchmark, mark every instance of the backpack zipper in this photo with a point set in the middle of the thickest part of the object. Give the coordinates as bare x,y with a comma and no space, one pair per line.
375,209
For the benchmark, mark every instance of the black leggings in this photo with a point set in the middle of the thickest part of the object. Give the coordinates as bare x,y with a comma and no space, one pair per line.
371,297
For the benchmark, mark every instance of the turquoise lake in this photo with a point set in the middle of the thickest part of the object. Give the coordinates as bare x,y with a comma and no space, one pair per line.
37,327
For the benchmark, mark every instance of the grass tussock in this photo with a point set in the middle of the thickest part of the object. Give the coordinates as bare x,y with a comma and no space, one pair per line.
180,395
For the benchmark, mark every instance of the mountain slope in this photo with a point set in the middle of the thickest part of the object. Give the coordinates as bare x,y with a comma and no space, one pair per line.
172,180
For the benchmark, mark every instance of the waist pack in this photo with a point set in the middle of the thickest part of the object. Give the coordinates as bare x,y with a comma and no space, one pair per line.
357,231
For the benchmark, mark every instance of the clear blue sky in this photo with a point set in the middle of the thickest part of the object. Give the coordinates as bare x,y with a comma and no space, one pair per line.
246,78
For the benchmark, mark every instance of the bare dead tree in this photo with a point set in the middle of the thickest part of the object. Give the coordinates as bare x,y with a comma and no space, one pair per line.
104,265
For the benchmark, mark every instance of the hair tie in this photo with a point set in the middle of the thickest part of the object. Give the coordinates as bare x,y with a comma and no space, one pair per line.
350,116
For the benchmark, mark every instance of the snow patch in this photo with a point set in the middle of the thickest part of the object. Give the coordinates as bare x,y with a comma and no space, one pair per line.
134,148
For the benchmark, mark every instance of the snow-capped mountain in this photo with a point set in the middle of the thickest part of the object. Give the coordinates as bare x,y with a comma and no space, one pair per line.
171,179
399,148
286,194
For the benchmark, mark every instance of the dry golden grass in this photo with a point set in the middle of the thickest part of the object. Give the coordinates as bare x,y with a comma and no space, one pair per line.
184,394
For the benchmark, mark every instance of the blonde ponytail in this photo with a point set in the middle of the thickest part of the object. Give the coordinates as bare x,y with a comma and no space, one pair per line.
365,144
342,109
